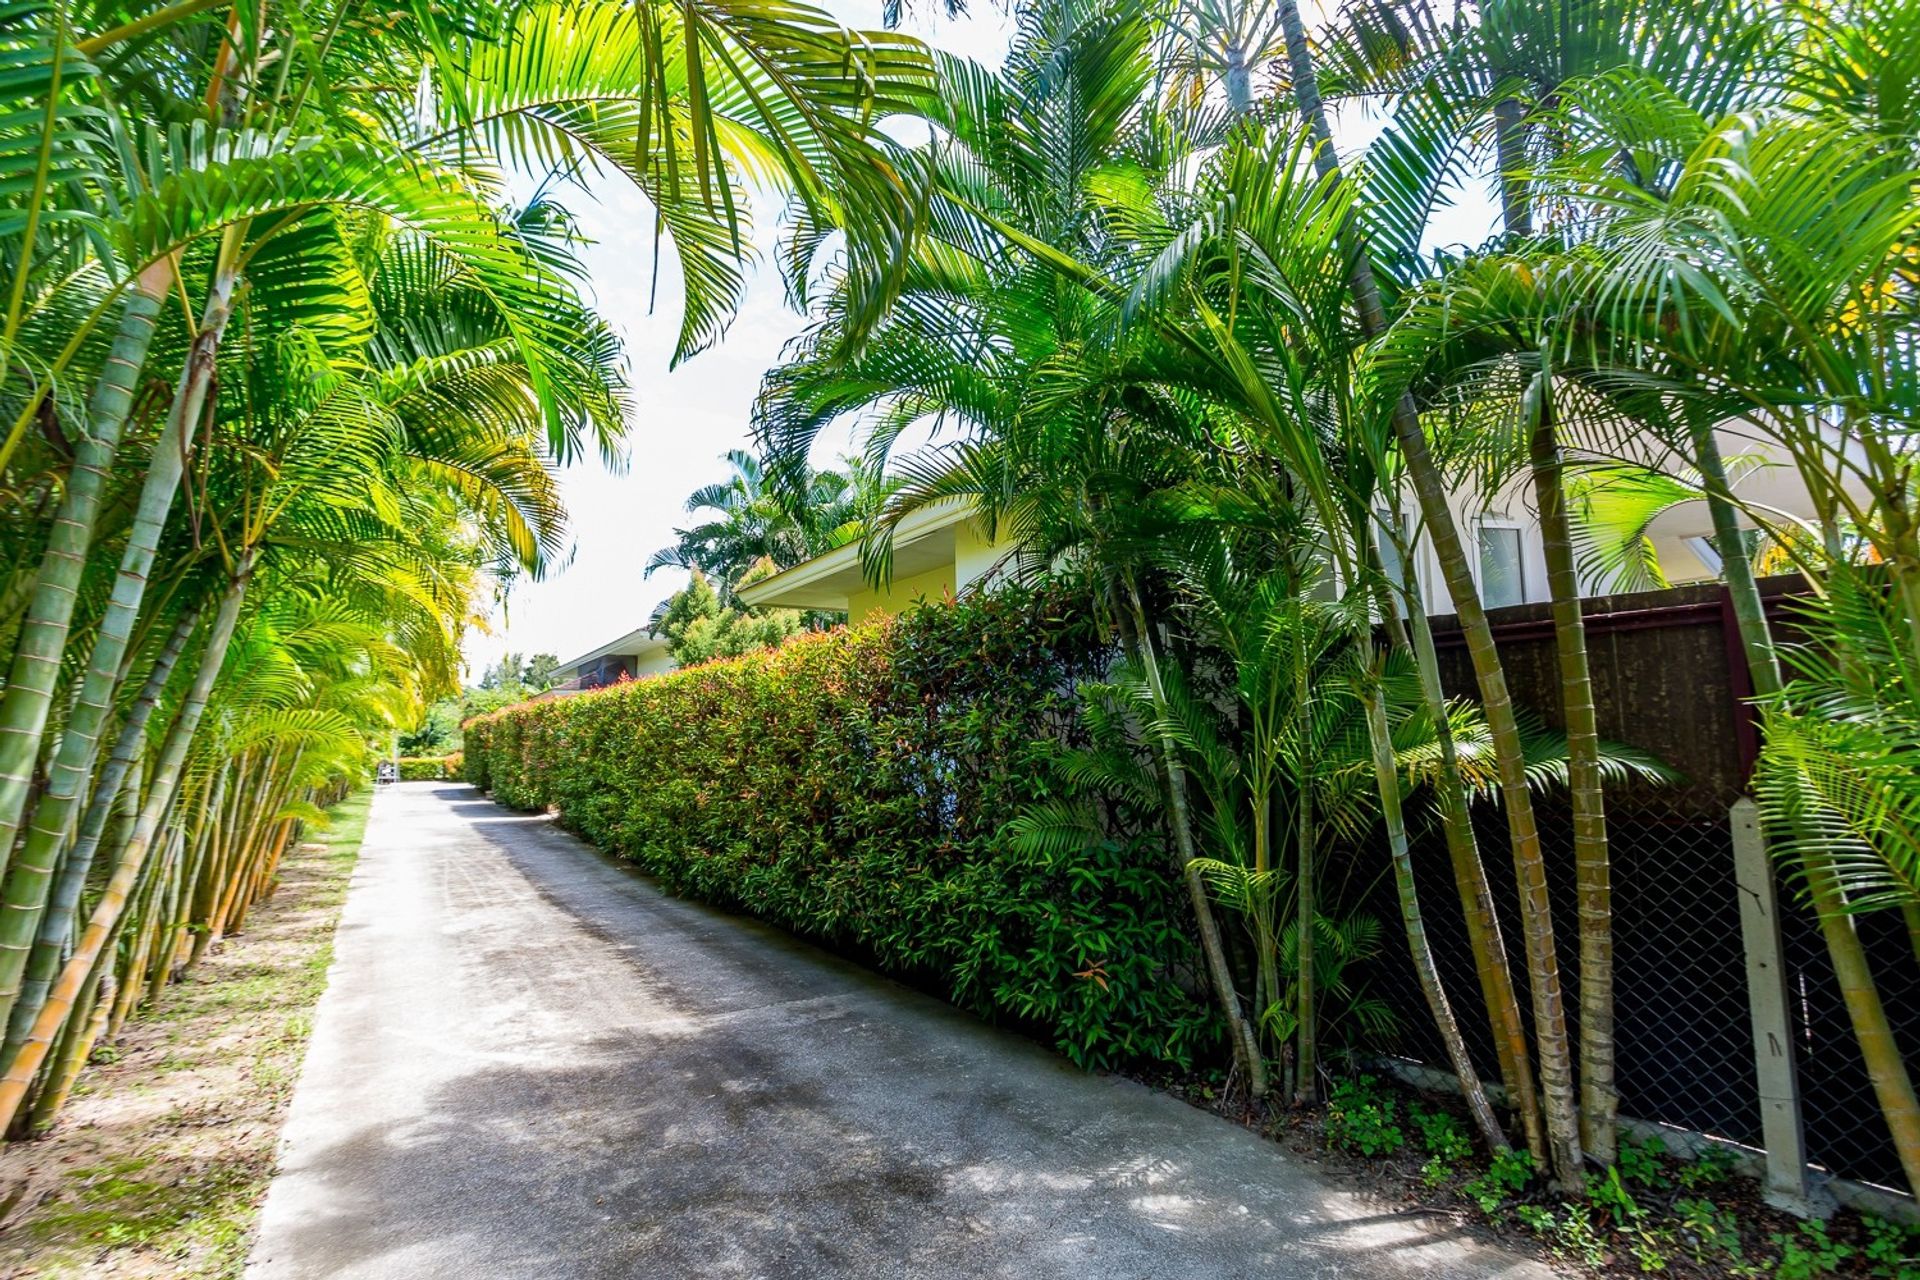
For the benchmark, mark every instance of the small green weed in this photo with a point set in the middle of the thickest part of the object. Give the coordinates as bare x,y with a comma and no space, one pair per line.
1443,1136
1510,1174
1644,1164
1891,1250
1361,1118
1568,1234
1810,1253
1709,1230
1711,1167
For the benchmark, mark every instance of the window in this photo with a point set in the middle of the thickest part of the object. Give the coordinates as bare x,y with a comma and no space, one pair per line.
1708,554
1392,566
1503,578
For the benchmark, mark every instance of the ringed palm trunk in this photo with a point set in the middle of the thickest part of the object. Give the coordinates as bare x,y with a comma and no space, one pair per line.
27,889
1484,934
55,922
1543,963
89,1021
1386,776
35,670
1307,1085
31,879
1886,1067
67,987
1213,948
1592,868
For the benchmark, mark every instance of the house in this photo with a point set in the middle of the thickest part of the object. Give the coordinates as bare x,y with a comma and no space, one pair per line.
941,549
1510,561
938,551
630,657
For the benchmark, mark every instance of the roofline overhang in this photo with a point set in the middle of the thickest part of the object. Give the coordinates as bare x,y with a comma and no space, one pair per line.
636,642
820,583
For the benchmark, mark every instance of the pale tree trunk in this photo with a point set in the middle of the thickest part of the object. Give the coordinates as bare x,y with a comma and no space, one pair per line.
70,1056
1592,867
1593,876
35,671
1213,948
106,914
1484,935
26,892
1307,1084
55,923
1543,963
1386,776
1886,1067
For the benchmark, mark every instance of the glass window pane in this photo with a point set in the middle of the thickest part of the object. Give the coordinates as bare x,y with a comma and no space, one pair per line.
1391,565
1501,581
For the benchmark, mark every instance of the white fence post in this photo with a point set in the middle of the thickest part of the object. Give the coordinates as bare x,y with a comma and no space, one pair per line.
1786,1182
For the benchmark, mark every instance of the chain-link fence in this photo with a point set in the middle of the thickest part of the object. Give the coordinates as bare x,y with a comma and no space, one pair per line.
1683,1039
1838,1107
1668,677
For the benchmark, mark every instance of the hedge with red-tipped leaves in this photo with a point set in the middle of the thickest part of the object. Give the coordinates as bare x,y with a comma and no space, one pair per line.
854,786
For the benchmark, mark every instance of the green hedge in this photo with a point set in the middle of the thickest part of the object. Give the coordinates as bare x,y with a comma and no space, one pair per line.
431,768
853,786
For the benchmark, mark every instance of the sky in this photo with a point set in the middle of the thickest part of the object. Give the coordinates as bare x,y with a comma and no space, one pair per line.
686,418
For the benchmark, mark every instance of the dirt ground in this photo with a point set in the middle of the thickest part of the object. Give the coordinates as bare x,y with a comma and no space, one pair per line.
160,1162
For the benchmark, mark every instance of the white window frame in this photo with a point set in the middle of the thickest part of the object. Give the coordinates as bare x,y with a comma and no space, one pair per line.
1408,549
1519,530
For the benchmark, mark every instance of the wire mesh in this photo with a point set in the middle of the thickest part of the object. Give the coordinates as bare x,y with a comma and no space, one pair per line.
1683,1034
1839,1109
1683,1043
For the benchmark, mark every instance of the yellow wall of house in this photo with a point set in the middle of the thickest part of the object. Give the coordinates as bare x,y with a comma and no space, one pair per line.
973,555
934,585
653,663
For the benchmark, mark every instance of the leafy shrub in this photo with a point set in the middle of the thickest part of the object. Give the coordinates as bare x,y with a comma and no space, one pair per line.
1443,1137
1810,1253
1509,1175
1643,1163
1362,1118
430,768
855,786
1709,1168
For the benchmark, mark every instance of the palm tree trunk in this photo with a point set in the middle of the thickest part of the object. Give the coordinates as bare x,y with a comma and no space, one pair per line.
1213,949
1386,776
30,880
76,1046
113,899
1592,869
1886,1068
42,641
157,493
1484,934
1307,1081
54,924
1543,962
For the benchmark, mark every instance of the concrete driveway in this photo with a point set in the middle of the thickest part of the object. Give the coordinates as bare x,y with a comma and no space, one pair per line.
532,1063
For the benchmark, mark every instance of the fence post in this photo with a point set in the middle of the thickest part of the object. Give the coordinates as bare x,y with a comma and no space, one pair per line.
1773,1059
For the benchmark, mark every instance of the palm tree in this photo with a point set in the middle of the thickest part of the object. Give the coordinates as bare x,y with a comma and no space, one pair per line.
754,519
707,92
1429,484
1009,360
413,356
